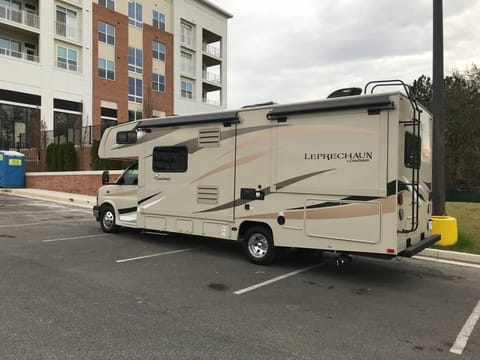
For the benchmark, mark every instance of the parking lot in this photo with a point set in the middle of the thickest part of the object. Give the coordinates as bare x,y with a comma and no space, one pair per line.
70,291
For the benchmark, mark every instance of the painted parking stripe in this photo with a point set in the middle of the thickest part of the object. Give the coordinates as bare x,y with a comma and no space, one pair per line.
75,238
46,223
154,255
278,278
466,331
43,212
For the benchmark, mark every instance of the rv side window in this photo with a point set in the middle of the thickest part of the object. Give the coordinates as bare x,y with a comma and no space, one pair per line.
413,147
127,137
170,159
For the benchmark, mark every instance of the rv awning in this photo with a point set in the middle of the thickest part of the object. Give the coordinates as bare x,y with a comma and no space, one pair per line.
331,105
225,117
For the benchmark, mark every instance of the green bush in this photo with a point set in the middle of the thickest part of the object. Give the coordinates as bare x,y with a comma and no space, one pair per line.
104,164
61,157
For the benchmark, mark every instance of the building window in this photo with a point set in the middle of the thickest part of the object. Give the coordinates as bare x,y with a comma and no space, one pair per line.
170,159
135,14
135,90
10,47
158,83
158,20
186,34
158,50
66,25
67,128
66,58
106,69
187,63
135,60
106,33
19,126
186,89
109,4
134,115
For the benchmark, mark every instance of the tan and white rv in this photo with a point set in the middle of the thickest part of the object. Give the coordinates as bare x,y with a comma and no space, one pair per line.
347,174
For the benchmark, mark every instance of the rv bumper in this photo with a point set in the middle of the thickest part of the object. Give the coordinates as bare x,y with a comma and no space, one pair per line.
415,249
96,212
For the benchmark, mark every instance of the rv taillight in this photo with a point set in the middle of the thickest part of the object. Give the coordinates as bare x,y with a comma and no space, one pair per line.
391,251
429,196
400,199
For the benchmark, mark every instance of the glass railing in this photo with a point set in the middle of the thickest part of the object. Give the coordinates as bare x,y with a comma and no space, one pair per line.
19,16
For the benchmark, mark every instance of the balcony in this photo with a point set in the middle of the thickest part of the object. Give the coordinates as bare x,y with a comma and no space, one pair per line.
211,50
67,32
19,16
19,55
212,77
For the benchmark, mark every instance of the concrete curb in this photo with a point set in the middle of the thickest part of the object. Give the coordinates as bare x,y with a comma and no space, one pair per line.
451,256
85,201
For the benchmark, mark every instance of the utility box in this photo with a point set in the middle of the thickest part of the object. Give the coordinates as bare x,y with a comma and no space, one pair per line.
12,169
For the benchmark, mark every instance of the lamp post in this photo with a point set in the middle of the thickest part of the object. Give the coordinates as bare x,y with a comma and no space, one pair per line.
438,104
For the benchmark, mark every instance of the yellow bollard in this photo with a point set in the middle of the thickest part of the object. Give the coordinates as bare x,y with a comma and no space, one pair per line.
446,226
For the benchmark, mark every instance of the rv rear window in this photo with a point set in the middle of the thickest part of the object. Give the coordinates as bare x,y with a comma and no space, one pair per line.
413,148
170,159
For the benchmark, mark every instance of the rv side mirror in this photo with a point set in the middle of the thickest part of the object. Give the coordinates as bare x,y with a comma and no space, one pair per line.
105,177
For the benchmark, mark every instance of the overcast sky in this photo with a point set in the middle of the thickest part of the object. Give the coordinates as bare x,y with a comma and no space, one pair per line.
285,51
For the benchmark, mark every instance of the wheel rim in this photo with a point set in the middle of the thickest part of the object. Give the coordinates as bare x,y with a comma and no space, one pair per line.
108,219
258,245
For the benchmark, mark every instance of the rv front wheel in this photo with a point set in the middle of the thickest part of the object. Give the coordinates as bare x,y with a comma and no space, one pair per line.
108,220
258,245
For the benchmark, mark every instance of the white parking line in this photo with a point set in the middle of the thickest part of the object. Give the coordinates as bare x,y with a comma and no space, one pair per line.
153,255
46,223
74,238
253,287
43,212
466,331
443,261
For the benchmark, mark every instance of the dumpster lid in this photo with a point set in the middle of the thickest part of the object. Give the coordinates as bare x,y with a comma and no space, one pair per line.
11,153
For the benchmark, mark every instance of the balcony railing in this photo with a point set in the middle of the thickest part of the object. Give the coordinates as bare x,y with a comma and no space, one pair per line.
212,77
212,50
211,102
19,55
19,16
67,31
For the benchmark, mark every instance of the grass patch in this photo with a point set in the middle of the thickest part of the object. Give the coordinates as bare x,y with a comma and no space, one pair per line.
468,221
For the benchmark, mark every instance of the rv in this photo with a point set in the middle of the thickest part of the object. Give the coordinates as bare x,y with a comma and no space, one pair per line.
347,174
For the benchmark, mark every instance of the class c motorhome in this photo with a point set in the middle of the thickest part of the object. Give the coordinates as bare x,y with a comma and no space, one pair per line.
348,174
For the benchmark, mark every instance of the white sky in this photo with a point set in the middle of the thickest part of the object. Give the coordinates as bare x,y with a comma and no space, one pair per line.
286,51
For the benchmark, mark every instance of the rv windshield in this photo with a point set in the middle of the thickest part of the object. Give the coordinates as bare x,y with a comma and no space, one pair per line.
129,176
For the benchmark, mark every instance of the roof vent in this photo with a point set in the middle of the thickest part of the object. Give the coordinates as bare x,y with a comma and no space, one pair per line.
345,92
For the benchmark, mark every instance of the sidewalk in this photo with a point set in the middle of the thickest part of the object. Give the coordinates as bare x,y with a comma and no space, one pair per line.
56,196
86,201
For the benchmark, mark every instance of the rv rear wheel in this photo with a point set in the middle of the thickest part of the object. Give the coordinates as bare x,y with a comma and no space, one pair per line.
108,220
258,245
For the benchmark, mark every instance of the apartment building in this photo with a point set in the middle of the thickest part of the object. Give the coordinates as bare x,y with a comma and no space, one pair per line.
45,71
71,68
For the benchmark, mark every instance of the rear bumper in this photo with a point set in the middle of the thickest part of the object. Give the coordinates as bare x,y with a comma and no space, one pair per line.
415,249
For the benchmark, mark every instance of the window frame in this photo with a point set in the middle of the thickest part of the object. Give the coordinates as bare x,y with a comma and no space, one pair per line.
158,20
135,14
186,91
104,33
109,4
68,66
157,84
138,88
135,60
106,69
160,49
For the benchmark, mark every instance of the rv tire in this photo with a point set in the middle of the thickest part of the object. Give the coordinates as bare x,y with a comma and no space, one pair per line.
258,245
107,220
